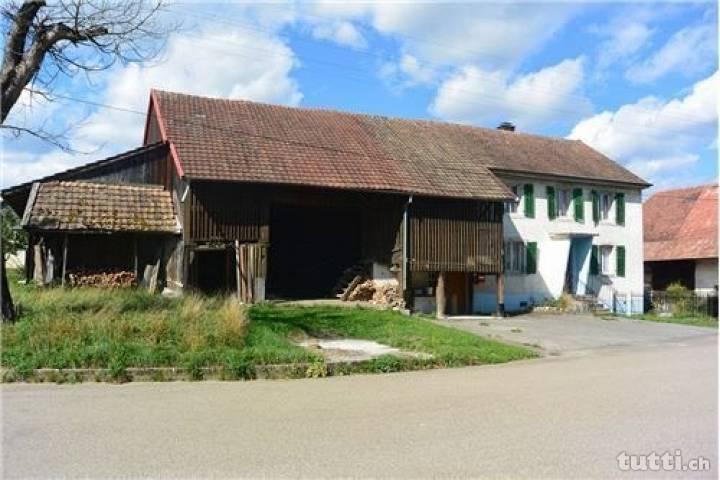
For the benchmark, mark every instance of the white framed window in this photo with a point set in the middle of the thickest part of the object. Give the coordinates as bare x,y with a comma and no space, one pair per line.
564,202
512,207
605,258
605,205
515,256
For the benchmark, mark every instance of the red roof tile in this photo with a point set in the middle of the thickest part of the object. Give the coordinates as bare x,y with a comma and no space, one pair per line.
681,224
244,141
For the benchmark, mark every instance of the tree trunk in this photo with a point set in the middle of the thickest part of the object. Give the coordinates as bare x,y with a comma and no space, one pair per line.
8,309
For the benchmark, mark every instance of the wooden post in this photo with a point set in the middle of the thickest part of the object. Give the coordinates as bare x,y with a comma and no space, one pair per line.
500,295
64,264
135,259
29,260
440,299
237,270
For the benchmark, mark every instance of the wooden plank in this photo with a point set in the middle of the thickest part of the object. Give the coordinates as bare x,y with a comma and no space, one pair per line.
64,259
440,299
237,270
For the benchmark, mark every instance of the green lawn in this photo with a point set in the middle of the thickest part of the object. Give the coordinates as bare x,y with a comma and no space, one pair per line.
695,320
117,329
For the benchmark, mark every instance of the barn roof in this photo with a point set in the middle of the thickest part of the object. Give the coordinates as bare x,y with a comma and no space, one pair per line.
681,224
87,206
237,140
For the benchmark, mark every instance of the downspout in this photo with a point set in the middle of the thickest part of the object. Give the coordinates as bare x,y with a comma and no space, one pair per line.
406,245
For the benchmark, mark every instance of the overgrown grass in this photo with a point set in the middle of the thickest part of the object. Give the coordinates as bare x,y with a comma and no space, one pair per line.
695,320
448,346
117,329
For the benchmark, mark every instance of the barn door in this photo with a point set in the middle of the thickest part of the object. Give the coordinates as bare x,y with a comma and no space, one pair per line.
251,260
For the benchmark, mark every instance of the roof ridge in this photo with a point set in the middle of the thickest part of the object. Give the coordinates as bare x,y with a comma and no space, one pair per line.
365,114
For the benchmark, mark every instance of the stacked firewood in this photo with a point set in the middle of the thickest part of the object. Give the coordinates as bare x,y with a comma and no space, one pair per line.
378,293
116,279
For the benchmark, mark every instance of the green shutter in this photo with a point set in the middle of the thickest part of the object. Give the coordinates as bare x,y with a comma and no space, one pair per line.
529,200
594,260
620,209
552,208
579,205
531,257
620,260
596,206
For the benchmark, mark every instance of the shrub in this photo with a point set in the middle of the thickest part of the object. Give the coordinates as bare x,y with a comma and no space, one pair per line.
679,297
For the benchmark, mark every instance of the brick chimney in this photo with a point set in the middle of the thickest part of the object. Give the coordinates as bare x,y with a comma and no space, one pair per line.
507,126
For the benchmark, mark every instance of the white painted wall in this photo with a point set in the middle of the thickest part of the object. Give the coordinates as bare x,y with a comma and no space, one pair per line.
552,237
706,275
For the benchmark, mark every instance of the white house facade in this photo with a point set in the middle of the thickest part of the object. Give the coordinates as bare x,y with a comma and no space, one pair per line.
564,235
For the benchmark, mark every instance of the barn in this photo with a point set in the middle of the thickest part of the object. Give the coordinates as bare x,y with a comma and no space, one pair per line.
273,202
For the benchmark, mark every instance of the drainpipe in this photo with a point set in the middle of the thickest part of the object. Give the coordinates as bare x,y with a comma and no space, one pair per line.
406,244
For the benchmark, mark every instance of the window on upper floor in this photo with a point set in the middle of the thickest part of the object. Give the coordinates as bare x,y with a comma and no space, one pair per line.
564,202
512,207
605,205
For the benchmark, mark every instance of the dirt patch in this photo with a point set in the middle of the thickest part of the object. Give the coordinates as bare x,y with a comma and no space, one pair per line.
354,350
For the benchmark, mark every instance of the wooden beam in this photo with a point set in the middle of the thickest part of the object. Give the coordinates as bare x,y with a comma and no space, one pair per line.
237,270
135,258
500,295
64,260
440,299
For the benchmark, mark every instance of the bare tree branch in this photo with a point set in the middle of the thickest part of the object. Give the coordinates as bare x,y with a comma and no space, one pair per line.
70,36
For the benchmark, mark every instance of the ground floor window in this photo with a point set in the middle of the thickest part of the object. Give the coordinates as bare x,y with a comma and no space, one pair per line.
605,255
515,257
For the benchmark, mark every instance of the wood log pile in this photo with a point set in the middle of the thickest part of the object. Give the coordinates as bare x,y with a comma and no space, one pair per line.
117,279
378,293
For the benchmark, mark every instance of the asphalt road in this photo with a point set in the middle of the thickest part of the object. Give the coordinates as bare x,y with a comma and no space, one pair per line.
560,417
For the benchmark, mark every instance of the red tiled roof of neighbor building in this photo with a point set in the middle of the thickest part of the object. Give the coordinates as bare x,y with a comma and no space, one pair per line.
681,224
88,206
236,140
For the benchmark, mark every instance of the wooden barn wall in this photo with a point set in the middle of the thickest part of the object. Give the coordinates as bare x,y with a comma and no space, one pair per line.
224,212
455,236
220,212
153,134
147,167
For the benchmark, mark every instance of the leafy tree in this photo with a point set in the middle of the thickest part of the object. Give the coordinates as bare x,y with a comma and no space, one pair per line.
13,237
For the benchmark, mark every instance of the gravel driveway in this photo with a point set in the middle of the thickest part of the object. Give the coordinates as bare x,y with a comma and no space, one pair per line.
558,334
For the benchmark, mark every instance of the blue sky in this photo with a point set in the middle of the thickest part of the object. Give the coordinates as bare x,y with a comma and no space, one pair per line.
638,81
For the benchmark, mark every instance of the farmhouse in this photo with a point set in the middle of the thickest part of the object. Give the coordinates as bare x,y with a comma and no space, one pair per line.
279,202
681,238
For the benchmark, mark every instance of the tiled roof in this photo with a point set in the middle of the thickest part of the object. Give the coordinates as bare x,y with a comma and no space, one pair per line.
238,140
86,206
681,224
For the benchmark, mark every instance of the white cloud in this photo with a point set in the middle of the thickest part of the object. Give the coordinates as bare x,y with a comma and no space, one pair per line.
407,72
651,167
439,33
655,136
342,33
433,36
624,39
688,51
213,63
476,96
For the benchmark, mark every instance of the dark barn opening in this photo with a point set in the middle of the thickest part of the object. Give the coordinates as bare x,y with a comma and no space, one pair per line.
213,271
310,248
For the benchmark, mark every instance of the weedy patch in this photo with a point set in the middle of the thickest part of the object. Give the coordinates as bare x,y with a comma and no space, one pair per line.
114,333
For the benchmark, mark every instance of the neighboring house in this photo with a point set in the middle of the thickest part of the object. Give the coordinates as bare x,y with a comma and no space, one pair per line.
681,238
279,202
